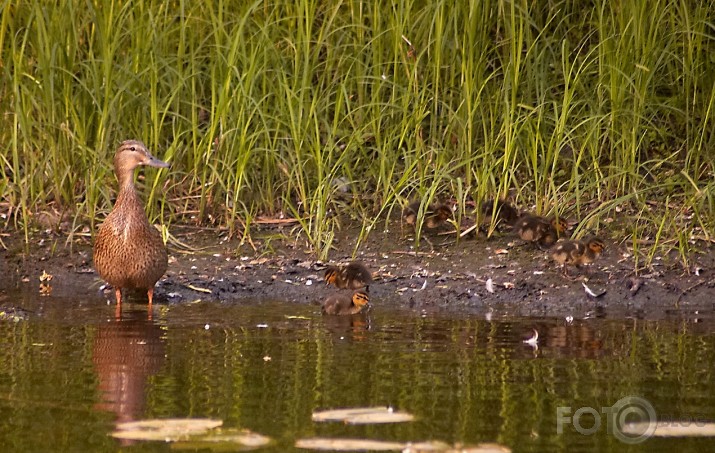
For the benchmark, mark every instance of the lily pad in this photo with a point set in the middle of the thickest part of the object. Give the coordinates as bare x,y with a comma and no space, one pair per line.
671,429
225,440
320,443
363,415
166,430
437,446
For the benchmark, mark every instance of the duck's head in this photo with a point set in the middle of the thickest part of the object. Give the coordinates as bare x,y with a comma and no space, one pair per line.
443,212
133,153
560,224
595,245
361,298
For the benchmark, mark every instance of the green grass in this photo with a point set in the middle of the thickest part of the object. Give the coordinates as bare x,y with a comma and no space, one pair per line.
590,111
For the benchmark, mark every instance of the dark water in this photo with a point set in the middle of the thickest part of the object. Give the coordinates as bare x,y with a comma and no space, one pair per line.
71,371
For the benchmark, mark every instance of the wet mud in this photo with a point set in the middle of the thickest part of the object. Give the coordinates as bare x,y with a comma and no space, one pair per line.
499,276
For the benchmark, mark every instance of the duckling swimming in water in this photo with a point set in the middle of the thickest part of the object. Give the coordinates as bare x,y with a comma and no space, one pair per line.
353,276
344,304
128,251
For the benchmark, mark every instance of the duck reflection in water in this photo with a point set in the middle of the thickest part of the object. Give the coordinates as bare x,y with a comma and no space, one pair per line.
352,327
125,354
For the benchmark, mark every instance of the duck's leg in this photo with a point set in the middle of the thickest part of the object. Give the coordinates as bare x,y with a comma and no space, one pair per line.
150,295
118,309
565,274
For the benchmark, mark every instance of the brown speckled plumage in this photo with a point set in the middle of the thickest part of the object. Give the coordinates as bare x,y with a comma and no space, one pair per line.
344,304
576,253
505,212
435,215
128,251
353,276
542,231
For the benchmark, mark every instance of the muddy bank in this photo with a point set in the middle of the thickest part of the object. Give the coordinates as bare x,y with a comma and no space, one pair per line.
478,275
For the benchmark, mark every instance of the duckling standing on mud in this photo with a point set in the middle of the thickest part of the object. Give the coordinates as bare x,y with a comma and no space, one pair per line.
544,232
576,253
505,212
353,276
344,304
435,215
128,251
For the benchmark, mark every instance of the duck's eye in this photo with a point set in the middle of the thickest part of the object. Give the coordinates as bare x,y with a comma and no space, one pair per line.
133,148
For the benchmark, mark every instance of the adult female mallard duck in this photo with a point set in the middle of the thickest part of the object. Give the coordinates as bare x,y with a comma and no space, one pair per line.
344,304
128,250
353,276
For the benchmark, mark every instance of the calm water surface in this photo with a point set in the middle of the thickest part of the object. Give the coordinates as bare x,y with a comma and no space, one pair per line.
71,371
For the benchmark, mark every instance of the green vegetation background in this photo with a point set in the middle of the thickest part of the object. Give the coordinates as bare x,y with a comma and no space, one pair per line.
590,109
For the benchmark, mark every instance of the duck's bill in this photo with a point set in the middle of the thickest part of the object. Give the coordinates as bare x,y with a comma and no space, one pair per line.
154,162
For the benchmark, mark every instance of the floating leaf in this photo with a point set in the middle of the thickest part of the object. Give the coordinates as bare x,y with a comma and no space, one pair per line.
671,429
425,447
485,448
364,415
167,430
225,440
318,443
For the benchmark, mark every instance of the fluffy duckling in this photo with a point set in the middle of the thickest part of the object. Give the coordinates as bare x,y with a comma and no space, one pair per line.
128,251
576,253
542,231
353,276
505,212
343,304
436,214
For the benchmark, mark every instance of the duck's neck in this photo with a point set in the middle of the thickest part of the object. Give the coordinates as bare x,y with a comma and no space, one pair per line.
127,192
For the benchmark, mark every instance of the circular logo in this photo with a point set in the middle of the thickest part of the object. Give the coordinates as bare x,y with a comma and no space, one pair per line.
634,419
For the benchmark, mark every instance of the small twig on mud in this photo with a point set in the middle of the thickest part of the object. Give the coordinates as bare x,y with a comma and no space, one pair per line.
692,287
468,230
199,289
400,252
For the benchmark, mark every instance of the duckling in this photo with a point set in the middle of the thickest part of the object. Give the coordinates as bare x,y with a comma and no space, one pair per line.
342,304
594,248
436,214
353,276
128,251
576,253
505,212
542,231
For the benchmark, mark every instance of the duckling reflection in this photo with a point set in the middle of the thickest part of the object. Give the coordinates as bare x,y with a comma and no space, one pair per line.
125,353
